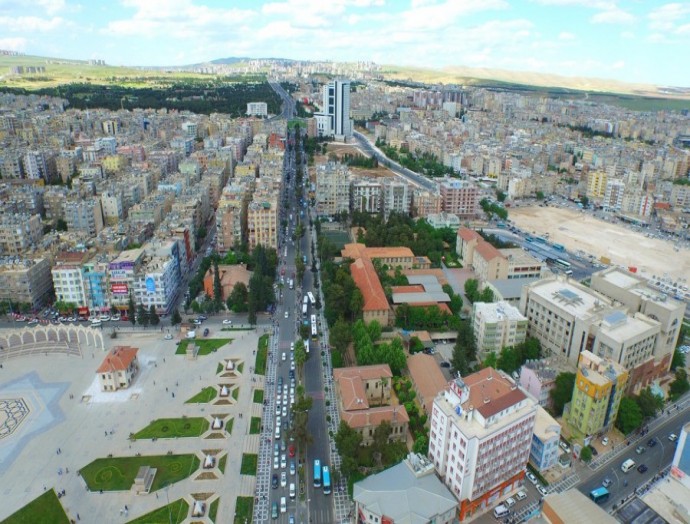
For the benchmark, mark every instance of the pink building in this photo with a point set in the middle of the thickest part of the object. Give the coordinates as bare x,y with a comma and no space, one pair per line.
538,379
480,438
460,198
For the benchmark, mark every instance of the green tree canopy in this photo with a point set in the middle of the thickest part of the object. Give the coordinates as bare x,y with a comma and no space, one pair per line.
562,392
629,415
154,319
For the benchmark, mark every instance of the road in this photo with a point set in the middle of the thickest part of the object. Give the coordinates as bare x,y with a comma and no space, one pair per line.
288,106
314,505
410,176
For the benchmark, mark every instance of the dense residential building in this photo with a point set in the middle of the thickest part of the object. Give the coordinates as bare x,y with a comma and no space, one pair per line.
25,281
480,438
119,368
599,387
395,197
19,232
538,378
460,198
332,189
84,216
408,492
122,273
364,397
544,452
334,117
262,222
366,196
497,325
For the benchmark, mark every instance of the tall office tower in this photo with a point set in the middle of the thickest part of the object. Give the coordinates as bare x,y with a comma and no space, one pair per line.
334,119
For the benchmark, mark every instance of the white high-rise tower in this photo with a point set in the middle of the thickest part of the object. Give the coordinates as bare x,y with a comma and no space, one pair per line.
334,119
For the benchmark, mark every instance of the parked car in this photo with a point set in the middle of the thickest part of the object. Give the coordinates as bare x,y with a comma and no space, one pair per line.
509,502
274,481
605,441
673,437
606,482
531,478
542,490
521,495
227,322
445,364
206,332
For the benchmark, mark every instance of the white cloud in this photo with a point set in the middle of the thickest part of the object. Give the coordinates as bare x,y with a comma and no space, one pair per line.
13,44
620,64
593,4
615,15
564,35
30,23
51,7
665,17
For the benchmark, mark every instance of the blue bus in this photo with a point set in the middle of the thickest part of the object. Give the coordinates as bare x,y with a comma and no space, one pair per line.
559,247
317,474
599,495
326,480
562,263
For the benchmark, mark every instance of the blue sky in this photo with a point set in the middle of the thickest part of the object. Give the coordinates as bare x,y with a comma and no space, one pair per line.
631,40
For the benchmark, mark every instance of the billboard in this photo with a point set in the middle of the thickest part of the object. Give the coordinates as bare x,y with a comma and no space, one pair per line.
119,289
150,285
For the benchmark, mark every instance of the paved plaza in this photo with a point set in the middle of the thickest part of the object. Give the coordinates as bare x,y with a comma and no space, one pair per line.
54,420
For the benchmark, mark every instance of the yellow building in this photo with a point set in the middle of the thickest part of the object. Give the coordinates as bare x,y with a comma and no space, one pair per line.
596,184
599,387
114,163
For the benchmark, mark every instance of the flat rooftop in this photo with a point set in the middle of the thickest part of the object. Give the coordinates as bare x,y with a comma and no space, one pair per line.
576,300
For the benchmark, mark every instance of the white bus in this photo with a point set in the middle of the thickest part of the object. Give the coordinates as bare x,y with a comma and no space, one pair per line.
311,298
304,311
314,329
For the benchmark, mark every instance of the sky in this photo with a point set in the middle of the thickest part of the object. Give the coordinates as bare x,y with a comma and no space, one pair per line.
645,41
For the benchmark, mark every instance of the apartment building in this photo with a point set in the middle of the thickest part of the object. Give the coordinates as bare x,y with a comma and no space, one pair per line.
600,384
262,222
122,272
480,438
596,184
425,203
613,197
332,189
497,325
538,378
544,452
364,398
84,216
395,197
459,197
25,281
257,109
19,232
365,196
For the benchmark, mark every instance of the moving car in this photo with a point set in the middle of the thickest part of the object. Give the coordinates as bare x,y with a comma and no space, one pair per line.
606,482
541,489
673,437
274,511
642,468
640,449
445,364
274,481
227,322
651,442
283,479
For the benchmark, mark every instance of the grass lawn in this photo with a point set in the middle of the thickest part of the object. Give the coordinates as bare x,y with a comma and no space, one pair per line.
221,463
261,356
206,345
213,510
258,396
228,426
240,367
244,510
174,428
46,508
219,368
236,393
118,473
173,513
249,462
255,426
204,396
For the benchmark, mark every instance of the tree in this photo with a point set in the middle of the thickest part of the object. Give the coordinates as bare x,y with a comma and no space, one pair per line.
60,225
586,454
142,315
175,319
491,361
678,360
500,195
237,301
415,345
217,288
421,445
64,307
340,335
629,416
540,195
459,362
649,403
680,385
348,442
562,392
131,312
154,319
381,435
300,354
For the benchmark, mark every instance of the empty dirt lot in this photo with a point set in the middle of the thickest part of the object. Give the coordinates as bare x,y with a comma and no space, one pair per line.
625,247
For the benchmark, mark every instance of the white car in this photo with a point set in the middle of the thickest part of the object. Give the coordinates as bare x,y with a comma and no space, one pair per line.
605,441
283,479
287,314
531,478
283,461
521,495
541,489
285,411
115,318
292,346
227,322
283,357
673,437
276,463
509,502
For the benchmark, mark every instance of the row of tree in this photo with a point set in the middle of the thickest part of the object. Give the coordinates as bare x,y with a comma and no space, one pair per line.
369,351
493,209
474,295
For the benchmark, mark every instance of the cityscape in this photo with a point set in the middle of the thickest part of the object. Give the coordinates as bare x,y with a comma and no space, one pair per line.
321,291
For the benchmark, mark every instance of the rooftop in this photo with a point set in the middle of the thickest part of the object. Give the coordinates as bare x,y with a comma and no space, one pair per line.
491,392
573,507
497,311
364,275
118,359
570,297
545,426
374,416
403,496
427,377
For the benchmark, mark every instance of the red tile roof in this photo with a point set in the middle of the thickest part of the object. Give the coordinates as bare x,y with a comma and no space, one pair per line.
427,377
118,359
416,288
374,416
487,251
491,392
468,234
364,275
